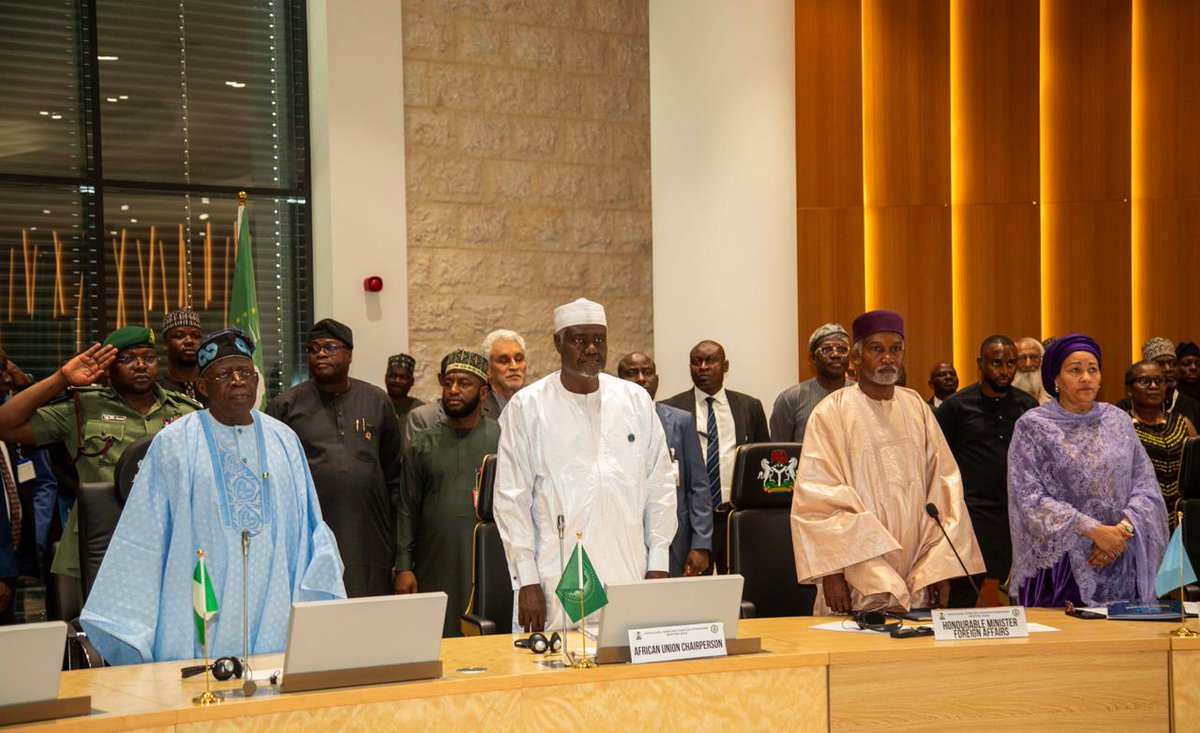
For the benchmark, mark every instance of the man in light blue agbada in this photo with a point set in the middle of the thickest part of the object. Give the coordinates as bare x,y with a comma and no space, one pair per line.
207,477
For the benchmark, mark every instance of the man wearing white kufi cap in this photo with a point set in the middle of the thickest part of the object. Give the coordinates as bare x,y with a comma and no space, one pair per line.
589,448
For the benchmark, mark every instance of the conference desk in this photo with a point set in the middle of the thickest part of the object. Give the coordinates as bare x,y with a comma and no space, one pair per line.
1088,675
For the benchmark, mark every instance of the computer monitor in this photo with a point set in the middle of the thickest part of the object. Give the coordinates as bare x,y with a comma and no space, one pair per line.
380,633
644,604
33,658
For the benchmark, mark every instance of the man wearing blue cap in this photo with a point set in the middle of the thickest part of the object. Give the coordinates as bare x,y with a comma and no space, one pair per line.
207,478
873,458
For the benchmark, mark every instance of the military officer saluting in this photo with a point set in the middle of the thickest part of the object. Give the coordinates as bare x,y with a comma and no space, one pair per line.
95,423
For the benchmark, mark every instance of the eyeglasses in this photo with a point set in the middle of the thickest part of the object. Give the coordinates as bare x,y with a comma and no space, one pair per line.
131,359
331,349
245,374
1145,382
582,342
831,349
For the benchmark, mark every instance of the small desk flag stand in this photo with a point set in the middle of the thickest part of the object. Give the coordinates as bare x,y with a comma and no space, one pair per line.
200,598
580,659
1183,632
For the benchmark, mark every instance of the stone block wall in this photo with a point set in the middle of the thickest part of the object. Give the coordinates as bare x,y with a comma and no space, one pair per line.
527,136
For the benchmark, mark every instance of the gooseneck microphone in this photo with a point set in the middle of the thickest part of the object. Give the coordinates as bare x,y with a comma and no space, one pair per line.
932,510
248,685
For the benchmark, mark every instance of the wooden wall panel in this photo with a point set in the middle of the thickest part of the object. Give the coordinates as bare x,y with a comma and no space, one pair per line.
1028,167
829,166
1166,169
1085,176
994,173
906,172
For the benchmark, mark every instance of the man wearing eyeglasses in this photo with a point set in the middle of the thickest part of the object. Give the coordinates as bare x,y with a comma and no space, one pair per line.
352,439
97,423
581,452
829,349
209,479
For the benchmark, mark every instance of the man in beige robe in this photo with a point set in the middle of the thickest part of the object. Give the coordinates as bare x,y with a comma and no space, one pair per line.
873,457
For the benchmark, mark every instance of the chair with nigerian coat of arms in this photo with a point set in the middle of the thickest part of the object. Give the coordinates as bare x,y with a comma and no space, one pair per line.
760,535
490,608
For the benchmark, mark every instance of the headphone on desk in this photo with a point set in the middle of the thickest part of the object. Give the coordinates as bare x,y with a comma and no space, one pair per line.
223,668
539,644
875,621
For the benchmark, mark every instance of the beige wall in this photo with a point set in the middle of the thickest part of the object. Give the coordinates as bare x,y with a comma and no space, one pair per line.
527,172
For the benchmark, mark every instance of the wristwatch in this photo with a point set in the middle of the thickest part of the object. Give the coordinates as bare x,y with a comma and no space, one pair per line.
1126,525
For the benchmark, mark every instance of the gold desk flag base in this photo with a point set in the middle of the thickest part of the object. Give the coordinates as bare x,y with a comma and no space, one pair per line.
581,660
1183,632
207,698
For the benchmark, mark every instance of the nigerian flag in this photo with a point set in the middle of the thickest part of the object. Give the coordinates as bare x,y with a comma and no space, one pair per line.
204,600
579,581
243,298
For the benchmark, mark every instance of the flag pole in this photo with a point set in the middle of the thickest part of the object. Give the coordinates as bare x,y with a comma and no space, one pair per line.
1183,632
582,661
207,697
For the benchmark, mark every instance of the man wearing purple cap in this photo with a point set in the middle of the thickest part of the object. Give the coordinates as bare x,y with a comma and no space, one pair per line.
873,458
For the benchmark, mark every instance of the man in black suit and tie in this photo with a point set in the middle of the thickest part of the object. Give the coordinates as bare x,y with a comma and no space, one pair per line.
724,420
691,550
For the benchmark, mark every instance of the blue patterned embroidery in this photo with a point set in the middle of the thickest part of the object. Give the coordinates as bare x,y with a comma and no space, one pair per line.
245,496
243,493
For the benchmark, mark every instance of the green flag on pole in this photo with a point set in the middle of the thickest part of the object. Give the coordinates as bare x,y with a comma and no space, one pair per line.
243,298
204,600
580,590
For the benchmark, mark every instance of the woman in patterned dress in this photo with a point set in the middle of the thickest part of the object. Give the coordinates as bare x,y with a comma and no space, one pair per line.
1162,433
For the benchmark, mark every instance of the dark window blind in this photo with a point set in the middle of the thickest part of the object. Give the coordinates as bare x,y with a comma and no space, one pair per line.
190,102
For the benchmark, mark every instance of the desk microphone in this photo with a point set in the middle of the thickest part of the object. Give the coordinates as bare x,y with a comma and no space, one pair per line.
248,685
932,510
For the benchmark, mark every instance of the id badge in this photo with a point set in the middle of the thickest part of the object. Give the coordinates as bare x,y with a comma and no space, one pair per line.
25,471
675,469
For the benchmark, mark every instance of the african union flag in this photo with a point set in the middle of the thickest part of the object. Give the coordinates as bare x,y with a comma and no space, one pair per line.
579,590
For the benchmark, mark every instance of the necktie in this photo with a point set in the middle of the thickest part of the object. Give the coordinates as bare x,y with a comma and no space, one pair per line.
713,458
14,501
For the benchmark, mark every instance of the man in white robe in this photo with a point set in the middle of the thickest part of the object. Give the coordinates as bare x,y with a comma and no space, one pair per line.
589,448
873,457
207,477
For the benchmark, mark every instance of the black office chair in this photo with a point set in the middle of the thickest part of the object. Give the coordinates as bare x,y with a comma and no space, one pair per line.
491,604
1189,470
100,505
760,534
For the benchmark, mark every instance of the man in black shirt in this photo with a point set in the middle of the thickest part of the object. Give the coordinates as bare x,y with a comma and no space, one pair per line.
352,439
978,425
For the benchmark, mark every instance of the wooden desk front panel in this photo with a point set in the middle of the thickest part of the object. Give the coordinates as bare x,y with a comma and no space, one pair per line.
1185,683
1122,690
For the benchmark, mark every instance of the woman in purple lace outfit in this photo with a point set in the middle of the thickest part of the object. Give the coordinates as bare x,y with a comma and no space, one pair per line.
1087,517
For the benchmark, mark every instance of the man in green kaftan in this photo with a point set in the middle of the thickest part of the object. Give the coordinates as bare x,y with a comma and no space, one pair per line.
436,517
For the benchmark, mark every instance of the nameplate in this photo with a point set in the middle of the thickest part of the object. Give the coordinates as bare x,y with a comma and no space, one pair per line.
961,624
669,643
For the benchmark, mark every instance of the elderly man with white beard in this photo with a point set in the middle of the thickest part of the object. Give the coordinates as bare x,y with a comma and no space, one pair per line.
874,458
1029,369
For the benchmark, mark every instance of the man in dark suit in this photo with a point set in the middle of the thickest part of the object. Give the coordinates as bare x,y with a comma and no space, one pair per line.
724,420
943,380
691,550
